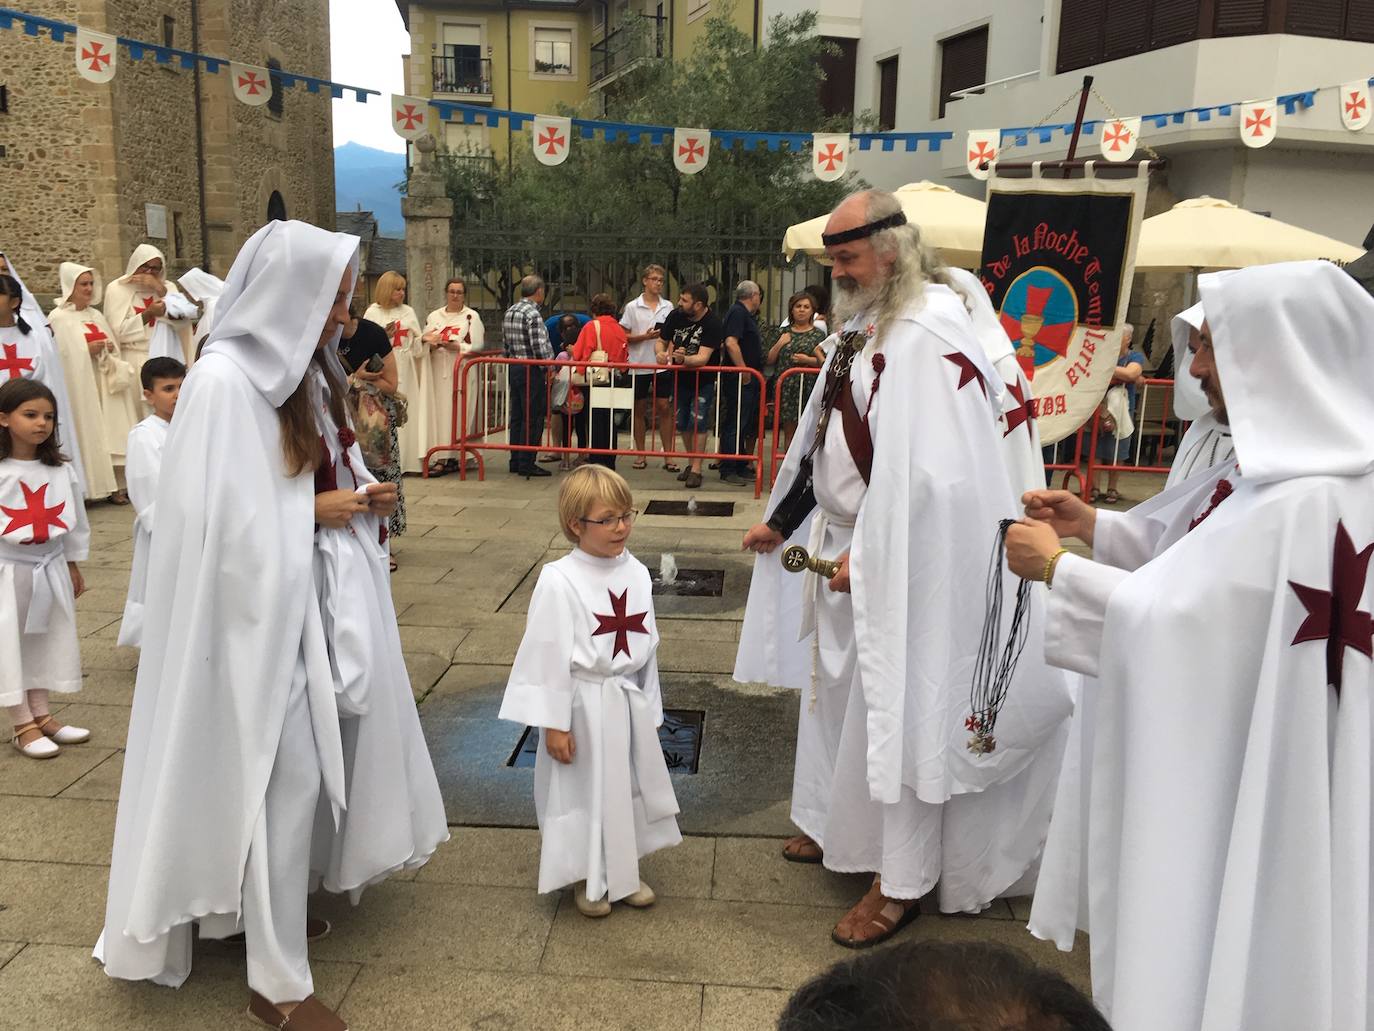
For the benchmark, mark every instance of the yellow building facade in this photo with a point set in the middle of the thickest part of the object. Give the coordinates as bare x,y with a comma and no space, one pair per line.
535,55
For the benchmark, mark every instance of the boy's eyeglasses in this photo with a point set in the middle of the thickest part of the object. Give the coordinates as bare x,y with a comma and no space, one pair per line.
628,518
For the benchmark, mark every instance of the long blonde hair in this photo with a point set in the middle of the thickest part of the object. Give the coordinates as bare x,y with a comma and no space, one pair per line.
386,286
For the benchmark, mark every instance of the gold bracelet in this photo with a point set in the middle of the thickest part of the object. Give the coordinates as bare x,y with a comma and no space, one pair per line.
1048,578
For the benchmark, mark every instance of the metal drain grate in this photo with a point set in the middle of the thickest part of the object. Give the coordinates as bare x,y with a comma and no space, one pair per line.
679,737
716,509
691,583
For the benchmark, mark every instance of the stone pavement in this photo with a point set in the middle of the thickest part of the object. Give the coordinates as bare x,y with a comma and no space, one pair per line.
466,942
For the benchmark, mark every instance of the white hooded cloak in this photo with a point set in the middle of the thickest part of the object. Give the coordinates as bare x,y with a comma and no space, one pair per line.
1207,441
73,331
1224,784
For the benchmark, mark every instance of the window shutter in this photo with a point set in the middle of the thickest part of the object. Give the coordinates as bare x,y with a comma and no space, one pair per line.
887,94
1080,33
1127,29
1175,21
963,63
1315,17
1359,20
1242,17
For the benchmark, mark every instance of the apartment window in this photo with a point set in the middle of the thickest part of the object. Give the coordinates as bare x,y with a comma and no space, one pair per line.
963,63
839,67
598,15
553,51
169,31
276,102
696,7
887,94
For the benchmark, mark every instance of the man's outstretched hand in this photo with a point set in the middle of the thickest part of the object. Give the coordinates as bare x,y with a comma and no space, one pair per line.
1069,514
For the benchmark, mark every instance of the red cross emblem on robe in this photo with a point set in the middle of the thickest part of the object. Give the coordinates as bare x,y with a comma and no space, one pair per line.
13,364
619,623
35,513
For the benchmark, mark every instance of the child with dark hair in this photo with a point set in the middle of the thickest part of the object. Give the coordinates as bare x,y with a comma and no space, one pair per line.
46,525
927,985
161,379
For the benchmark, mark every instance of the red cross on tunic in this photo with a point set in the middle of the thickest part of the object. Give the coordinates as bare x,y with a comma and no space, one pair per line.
830,157
1334,616
1118,136
551,141
94,334
1258,122
619,623
448,333
398,336
984,152
968,372
35,513
1024,411
147,303
1355,106
13,364
95,56
690,151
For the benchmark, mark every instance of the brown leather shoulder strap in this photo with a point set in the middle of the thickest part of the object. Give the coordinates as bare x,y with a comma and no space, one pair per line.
856,432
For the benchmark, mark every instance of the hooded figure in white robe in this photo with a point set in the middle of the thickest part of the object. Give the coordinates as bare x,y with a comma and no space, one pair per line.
1207,441
265,682
205,289
1219,791
163,336
886,780
82,337
38,349
1020,436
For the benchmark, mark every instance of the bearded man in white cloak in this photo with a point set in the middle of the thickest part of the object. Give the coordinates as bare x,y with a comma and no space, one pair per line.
897,473
273,742
1213,828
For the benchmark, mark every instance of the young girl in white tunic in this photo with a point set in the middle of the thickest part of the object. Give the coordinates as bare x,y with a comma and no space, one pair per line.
43,537
586,675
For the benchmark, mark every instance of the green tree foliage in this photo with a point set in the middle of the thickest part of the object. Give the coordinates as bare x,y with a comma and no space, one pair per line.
632,189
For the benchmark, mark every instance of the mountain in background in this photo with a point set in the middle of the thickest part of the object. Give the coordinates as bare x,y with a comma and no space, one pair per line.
366,178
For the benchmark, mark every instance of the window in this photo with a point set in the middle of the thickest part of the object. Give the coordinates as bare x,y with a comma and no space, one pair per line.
169,31
276,207
276,102
887,95
4,100
963,63
178,241
837,91
697,6
553,51
598,14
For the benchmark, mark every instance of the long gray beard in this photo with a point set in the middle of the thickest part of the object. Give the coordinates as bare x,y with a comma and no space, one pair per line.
850,303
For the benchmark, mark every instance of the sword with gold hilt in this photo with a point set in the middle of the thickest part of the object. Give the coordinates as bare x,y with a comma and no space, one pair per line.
795,559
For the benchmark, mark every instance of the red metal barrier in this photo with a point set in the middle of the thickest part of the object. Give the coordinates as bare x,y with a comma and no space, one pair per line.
778,453
484,367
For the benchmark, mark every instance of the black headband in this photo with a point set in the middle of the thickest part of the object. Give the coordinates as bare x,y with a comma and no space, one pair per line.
858,233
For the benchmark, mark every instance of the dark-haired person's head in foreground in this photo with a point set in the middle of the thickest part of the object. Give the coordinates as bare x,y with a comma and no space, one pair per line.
938,986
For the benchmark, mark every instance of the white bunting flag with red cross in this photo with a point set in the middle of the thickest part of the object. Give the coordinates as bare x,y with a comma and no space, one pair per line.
409,116
1119,137
691,150
96,55
551,135
984,145
1355,105
829,155
1259,122
252,85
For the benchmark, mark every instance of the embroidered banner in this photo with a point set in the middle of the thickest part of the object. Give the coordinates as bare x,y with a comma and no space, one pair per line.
1058,256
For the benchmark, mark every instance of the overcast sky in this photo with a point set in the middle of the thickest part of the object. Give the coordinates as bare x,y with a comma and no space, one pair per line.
366,40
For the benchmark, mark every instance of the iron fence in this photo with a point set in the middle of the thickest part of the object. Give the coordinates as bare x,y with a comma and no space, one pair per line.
575,266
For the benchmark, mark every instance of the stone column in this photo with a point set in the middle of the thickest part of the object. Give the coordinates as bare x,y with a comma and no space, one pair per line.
428,212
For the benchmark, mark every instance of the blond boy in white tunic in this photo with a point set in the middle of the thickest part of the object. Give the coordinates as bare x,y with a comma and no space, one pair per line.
586,675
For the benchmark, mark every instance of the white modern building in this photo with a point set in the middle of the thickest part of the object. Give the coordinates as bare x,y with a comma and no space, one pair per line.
910,58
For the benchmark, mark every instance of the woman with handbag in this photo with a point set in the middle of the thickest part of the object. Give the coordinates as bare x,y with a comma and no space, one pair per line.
90,356
601,340
378,409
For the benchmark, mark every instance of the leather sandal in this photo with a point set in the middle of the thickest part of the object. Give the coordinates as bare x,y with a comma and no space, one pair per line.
309,1015
889,918
63,735
802,849
38,747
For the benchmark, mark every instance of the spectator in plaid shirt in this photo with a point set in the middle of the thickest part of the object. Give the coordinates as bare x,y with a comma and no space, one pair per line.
524,336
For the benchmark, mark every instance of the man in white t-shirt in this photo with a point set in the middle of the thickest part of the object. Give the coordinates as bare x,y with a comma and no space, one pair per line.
653,390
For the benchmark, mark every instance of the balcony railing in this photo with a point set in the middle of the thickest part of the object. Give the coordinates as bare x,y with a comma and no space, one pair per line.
467,75
629,42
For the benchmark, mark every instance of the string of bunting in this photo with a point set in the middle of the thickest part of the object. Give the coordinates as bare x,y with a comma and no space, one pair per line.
1257,122
97,59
